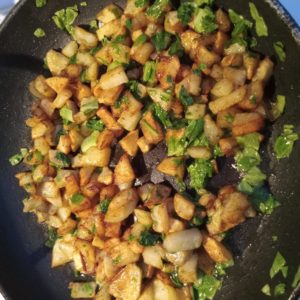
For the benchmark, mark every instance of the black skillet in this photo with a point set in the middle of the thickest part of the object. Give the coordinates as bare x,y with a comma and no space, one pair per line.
25,272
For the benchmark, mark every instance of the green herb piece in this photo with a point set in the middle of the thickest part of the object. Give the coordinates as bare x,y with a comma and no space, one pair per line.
149,127
175,279
83,77
90,141
266,290
66,114
83,4
73,59
199,70
128,24
131,237
148,238
280,50
247,159
205,20
204,2
253,178
229,118
140,40
176,147
162,116
161,40
40,3
185,12
64,160
260,24
274,238
94,25
65,18
184,97
279,289
278,106
39,33
149,72
77,198
253,99
52,237
220,268
89,105
251,140
193,130
17,158
206,287
278,264
199,171
117,260
140,3
217,151
94,50
133,86
296,279
176,48
157,8
95,124
103,205
285,142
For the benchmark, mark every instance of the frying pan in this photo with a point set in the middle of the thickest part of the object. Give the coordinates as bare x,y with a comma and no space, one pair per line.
25,272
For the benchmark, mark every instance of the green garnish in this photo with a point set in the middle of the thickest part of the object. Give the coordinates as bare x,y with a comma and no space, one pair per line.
285,142
161,40
73,59
279,289
140,40
84,3
296,279
266,290
279,265
148,238
83,78
253,99
274,238
66,114
157,8
260,24
205,20
90,141
184,97
77,198
94,25
176,48
175,279
17,158
64,160
220,268
149,72
280,50
40,3
206,287
278,106
162,116
65,18
39,33
229,118
140,3
90,106
128,24
52,237
199,171
103,205
95,124
199,70
185,12
117,260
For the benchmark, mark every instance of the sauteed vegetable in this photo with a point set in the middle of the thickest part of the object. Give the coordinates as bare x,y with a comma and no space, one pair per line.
140,78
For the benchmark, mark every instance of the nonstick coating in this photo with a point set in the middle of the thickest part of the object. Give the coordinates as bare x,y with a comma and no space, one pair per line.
25,272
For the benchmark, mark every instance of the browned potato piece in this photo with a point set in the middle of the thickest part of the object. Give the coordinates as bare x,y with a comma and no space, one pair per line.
56,62
172,166
222,88
123,171
109,120
57,83
129,143
220,40
228,101
203,56
211,130
105,139
160,217
253,97
166,68
232,60
237,76
43,88
81,91
215,249
188,39
223,21
172,23
264,71
192,84
87,254
151,129
225,118
142,52
205,263
143,144
228,145
183,207
245,123
121,206
109,13
251,63
113,78
107,97
93,157
127,283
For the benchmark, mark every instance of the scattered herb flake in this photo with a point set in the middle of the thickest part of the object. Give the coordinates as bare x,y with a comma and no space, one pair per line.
52,237
39,33
64,160
103,205
206,287
95,124
260,24
274,238
157,8
199,171
161,40
65,18
279,289
176,48
128,24
280,50
17,158
84,3
296,279
278,106
140,3
184,97
266,290
200,69
94,25
175,279
77,198
186,11
140,40
278,264
40,3
148,238
205,20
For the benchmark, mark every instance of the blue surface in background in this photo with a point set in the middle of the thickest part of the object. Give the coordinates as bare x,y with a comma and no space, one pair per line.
293,7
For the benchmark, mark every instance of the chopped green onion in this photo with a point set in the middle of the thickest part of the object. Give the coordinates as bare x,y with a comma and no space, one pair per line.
77,198
40,3
260,24
279,49
39,33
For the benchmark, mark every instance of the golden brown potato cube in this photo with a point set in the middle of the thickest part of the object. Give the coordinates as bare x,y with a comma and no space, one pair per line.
187,273
113,230
93,157
183,207
253,97
124,172
172,23
235,75
87,252
233,60
43,88
188,39
64,144
225,118
203,56
107,97
160,217
142,53
245,123
264,71
143,144
108,29
85,174
56,62
73,71
109,13
167,69
58,83
62,97
173,166
108,119
67,227
205,263
192,84
129,143
220,40
113,78
223,21
76,139
228,146
104,56
81,91
211,130
222,88
85,38
251,64
151,129
215,249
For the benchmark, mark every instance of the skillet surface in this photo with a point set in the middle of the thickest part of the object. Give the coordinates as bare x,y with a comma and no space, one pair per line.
25,271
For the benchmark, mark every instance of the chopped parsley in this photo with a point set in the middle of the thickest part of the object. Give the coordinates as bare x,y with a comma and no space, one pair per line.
185,98
199,70
280,50
220,268
128,24
140,3
103,205
279,289
274,238
39,33
199,171
260,24
175,279
266,289
84,3
176,48
205,20
40,3
77,198
148,238
52,237
94,25
73,59
95,124
285,142
206,287
162,116
296,279
140,40
66,114
64,160
17,158
117,260
185,12
279,265
157,8
65,18
161,40
278,106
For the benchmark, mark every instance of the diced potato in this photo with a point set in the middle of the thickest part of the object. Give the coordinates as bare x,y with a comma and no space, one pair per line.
43,88
192,84
183,207
233,60
61,99
235,48
153,256
216,250
109,13
172,166
253,97
251,64
222,88
124,172
103,293
189,38
56,62
87,255
85,38
64,144
223,21
143,144
106,176
121,206
160,217
172,23
107,97
127,283
108,29
58,84
195,111
164,291
62,252
147,293
211,130
113,78
109,121
151,129
245,123
129,143
93,157
143,217
220,42
85,59
161,97
189,239
178,258
83,289
187,273
133,10
228,145
228,101
81,91
70,49
199,152
141,53
225,118
205,263
235,75
104,56
203,56
264,71
176,225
